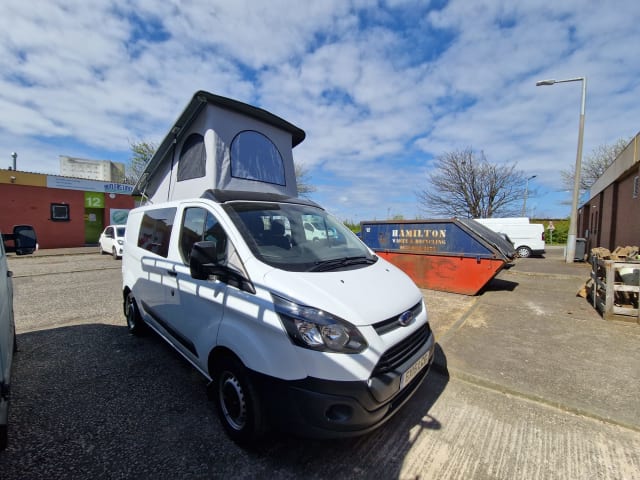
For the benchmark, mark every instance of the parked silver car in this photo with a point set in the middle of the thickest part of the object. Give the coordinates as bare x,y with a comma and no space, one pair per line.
23,242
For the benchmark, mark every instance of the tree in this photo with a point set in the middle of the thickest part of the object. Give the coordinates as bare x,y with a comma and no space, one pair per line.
464,184
302,180
594,165
141,153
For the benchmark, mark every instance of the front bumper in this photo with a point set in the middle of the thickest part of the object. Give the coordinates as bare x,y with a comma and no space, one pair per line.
320,408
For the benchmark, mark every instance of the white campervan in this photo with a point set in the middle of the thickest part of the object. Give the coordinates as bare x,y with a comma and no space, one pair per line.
315,335
527,238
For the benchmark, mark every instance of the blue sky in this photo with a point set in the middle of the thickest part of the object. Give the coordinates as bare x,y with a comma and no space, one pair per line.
380,87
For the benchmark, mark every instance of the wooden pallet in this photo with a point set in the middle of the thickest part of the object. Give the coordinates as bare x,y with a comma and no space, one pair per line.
615,299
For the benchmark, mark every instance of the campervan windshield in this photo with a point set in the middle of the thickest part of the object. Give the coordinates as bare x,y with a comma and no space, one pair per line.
298,237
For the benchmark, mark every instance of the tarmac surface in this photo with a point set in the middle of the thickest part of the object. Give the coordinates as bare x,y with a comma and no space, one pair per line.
529,334
530,382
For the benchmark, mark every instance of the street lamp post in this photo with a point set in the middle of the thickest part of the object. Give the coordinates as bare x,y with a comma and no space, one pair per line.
573,227
526,194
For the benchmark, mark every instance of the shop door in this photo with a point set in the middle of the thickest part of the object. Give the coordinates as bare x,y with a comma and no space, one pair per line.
93,224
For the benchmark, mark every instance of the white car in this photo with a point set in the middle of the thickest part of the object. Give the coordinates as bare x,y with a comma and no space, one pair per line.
112,240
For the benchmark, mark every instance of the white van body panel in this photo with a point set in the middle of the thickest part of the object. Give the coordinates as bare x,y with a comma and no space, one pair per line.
209,312
341,293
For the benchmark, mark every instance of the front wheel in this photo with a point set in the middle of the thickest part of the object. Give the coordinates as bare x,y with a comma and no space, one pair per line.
135,324
523,252
237,402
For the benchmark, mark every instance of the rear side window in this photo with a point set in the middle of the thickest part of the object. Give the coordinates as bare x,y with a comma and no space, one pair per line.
155,230
255,157
193,158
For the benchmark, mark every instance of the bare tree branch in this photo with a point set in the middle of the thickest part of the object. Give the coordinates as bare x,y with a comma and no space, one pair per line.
594,165
464,184
303,178
141,153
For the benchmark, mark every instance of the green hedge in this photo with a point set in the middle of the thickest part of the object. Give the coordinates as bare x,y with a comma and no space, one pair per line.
559,235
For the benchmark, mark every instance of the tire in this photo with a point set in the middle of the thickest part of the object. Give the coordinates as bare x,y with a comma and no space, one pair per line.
523,251
237,402
135,324
114,253
102,252
4,437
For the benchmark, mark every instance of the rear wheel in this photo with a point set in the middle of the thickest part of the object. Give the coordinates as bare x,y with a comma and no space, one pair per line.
135,324
237,402
3,437
523,252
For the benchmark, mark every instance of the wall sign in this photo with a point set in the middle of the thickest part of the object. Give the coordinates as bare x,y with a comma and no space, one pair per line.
93,200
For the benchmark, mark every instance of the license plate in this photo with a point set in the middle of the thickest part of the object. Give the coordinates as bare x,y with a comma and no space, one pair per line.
414,369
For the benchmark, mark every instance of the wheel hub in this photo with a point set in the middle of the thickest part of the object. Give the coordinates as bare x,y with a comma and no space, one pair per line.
232,401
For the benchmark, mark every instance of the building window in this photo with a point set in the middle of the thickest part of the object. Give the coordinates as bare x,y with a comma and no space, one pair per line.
636,186
60,212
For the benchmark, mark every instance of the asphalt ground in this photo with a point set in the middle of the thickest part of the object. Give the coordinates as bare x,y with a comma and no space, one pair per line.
530,383
530,334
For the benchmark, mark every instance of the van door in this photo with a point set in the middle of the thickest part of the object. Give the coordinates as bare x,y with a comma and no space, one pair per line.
195,308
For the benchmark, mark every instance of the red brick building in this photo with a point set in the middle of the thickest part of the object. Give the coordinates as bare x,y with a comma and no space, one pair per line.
611,217
65,212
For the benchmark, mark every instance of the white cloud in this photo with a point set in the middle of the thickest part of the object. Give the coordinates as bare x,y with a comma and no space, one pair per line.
379,86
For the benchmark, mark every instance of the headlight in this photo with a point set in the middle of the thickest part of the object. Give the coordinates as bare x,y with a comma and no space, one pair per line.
120,242
316,329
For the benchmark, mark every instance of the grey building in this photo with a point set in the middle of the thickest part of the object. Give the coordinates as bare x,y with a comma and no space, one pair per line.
104,170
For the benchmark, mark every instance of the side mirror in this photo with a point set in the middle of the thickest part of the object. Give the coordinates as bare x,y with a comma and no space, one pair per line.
24,240
206,260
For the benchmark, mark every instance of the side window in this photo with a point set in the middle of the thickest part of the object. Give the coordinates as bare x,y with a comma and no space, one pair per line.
155,230
255,157
193,159
198,224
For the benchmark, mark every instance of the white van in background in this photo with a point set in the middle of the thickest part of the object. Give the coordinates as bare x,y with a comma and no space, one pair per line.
527,238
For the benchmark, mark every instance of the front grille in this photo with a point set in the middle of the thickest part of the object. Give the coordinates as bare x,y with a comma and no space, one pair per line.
400,353
391,324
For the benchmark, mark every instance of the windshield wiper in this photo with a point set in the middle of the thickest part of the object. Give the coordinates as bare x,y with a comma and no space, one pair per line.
326,265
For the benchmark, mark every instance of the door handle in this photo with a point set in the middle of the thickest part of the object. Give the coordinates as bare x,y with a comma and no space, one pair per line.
173,273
